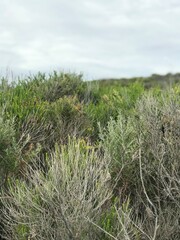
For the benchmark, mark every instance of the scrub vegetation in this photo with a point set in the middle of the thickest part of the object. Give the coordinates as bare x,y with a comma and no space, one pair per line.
95,160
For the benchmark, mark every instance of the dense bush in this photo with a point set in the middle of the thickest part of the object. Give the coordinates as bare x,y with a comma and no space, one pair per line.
145,165
45,110
81,160
9,149
111,101
62,203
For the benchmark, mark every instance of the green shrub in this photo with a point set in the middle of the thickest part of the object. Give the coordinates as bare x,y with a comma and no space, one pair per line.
55,85
9,149
119,143
19,102
112,100
126,186
66,117
46,109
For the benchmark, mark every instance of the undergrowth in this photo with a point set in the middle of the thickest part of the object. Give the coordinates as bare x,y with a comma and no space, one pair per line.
82,160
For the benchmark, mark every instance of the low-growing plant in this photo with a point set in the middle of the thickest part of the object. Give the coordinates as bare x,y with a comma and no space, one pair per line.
9,149
111,101
144,153
125,185
62,203
66,117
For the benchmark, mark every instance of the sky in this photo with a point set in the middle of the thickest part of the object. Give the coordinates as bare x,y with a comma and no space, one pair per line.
99,38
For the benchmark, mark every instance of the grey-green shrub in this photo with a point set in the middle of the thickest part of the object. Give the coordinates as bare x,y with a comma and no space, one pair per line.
119,143
63,203
144,149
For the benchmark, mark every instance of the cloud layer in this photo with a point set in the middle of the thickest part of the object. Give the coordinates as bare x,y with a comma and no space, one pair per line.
119,38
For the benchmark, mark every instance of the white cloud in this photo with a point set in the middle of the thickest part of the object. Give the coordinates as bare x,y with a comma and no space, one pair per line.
100,38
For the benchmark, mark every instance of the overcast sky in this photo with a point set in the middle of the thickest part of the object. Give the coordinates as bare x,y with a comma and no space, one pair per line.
100,38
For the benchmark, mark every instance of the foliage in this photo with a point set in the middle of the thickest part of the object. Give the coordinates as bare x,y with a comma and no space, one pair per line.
9,150
112,101
90,160
144,151
62,203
